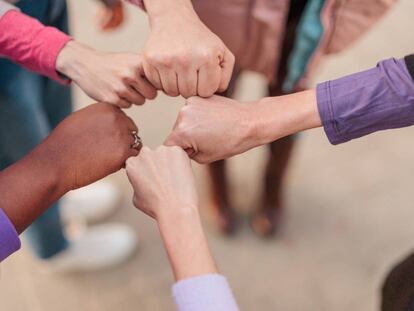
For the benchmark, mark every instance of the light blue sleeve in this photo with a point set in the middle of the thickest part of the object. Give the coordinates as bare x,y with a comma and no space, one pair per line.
204,293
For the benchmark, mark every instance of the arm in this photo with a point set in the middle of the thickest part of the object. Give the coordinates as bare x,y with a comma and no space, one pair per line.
115,78
78,152
164,189
350,107
27,42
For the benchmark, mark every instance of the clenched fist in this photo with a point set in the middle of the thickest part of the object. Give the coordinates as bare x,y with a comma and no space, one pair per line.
211,129
90,144
113,78
182,56
163,182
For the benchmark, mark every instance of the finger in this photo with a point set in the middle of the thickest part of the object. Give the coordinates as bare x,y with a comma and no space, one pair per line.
132,96
227,66
145,88
151,73
122,103
187,83
208,80
190,152
169,82
131,126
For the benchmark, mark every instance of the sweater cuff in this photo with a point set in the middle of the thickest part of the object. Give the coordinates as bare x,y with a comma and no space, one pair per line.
369,101
324,102
204,292
9,239
31,44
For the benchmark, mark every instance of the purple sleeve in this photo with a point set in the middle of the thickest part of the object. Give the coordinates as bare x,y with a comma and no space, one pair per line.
204,293
9,239
359,104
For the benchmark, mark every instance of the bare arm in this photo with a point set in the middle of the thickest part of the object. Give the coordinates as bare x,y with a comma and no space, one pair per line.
216,128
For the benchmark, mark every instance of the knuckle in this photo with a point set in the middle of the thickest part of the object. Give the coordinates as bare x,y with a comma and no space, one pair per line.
184,60
208,92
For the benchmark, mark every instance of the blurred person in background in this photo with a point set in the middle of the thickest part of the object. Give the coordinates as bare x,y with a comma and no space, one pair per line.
32,105
284,41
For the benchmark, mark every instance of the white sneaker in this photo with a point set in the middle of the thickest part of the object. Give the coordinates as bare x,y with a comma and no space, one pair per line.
92,203
100,247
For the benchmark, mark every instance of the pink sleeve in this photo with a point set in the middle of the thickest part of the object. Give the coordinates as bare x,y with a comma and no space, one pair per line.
29,43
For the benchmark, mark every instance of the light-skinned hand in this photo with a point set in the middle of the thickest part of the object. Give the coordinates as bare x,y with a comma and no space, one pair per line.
215,128
163,181
113,78
182,56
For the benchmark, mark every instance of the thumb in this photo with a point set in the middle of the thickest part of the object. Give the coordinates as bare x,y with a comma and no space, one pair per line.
175,139
227,66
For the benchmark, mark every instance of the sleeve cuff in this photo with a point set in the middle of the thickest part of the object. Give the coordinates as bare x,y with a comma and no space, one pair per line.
362,103
205,292
9,239
31,44
323,98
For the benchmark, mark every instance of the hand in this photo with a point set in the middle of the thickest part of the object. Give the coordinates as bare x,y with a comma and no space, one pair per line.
163,181
217,128
85,147
113,78
164,189
213,128
90,144
182,56
111,15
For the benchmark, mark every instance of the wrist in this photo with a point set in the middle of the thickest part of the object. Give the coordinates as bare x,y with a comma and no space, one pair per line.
72,59
159,11
277,117
177,213
29,187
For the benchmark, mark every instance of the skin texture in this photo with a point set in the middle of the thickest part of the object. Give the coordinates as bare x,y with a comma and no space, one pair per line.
217,128
182,56
164,189
113,78
85,147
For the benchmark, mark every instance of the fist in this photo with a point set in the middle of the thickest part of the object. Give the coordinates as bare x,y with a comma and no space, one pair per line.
210,129
163,181
183,57
113,78
90,144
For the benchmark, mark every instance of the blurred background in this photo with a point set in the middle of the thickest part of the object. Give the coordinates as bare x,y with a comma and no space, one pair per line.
348,208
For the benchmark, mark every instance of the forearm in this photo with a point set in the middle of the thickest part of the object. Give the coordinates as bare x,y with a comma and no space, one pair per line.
185,242
28,188
276,117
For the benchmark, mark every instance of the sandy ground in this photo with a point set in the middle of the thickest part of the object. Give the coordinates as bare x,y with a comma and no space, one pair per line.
349,207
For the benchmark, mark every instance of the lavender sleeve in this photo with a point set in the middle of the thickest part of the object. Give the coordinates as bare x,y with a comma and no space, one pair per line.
9,239
359,104
204,293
